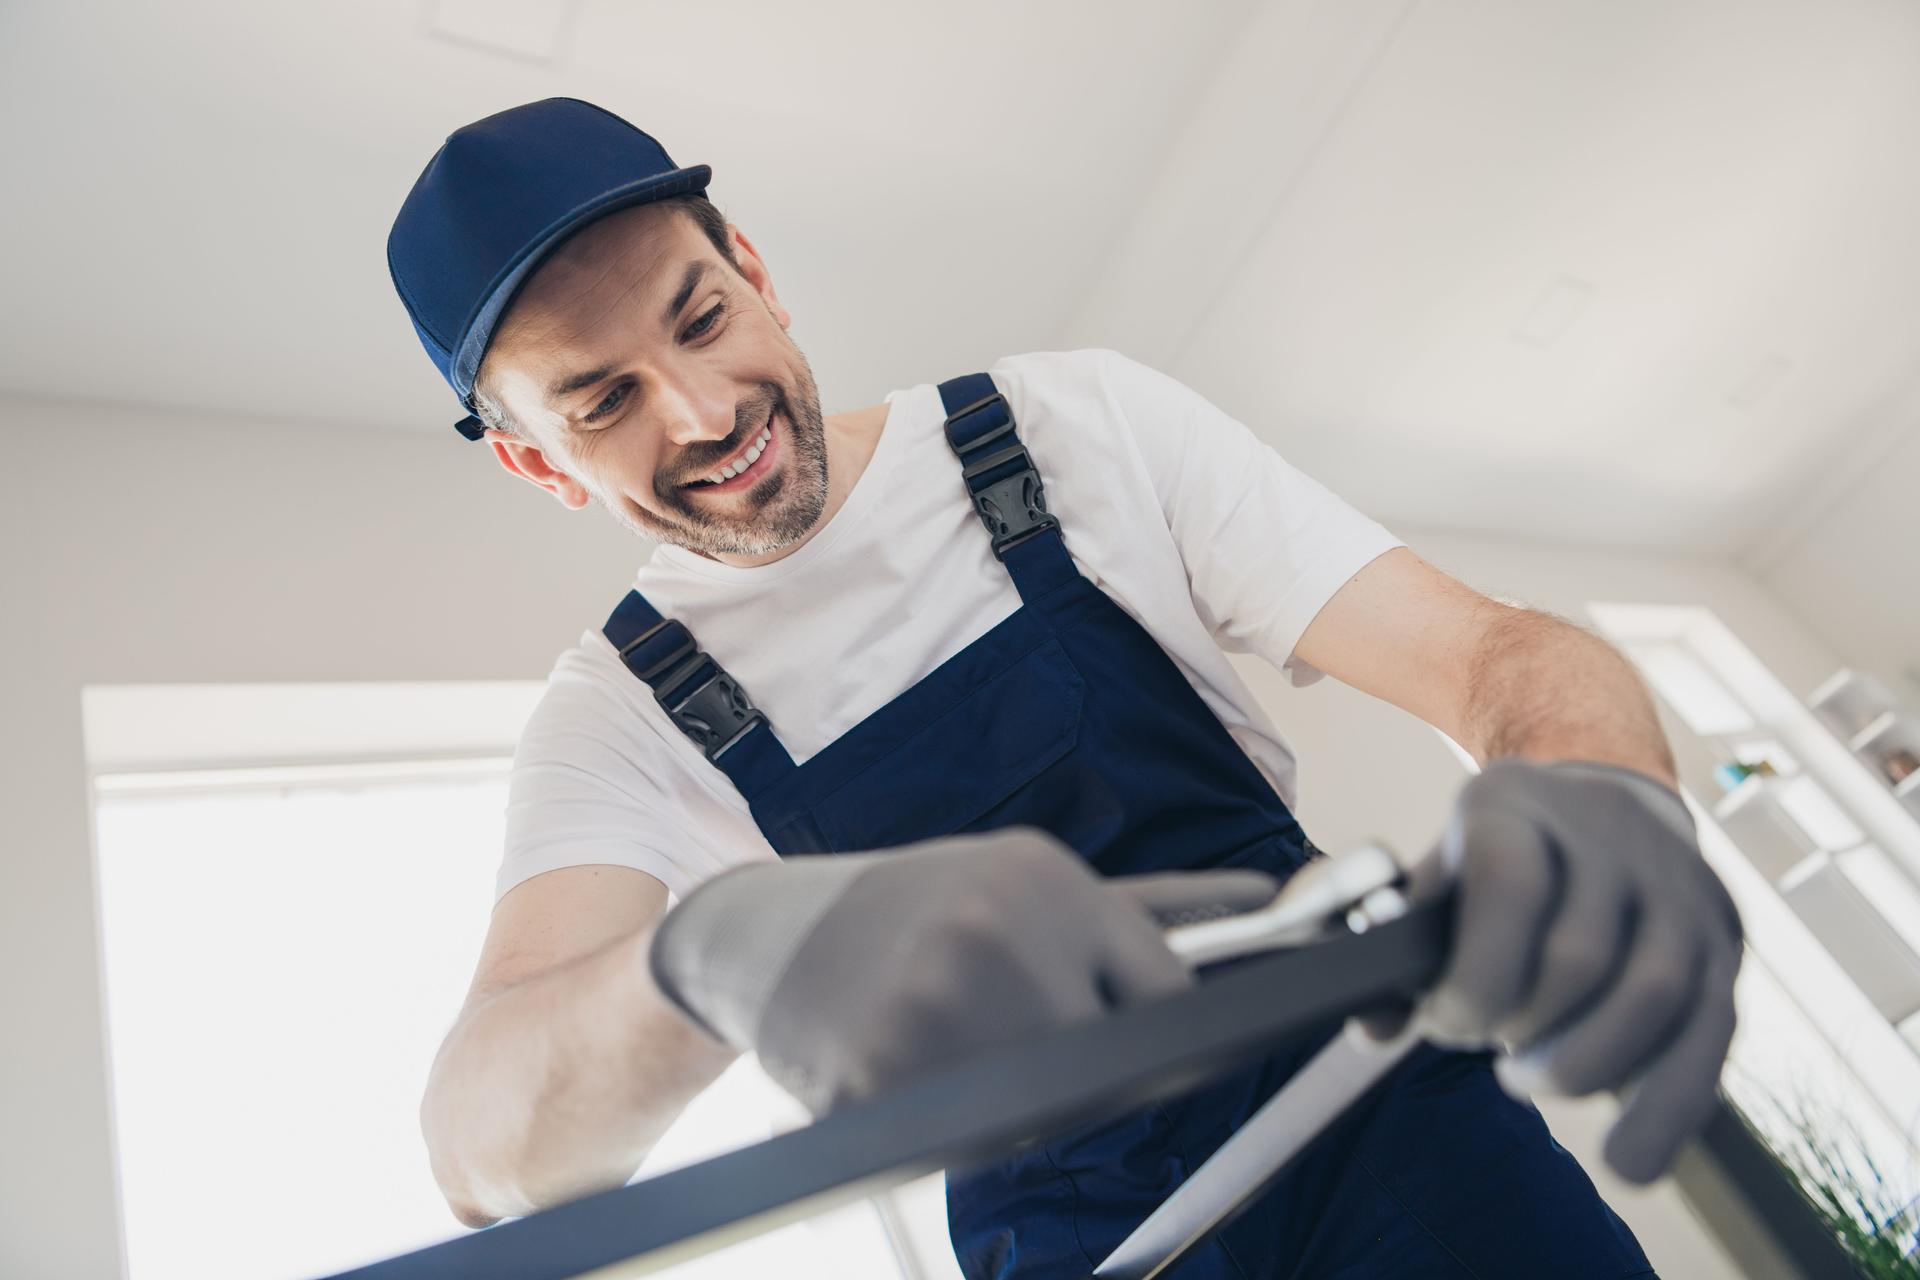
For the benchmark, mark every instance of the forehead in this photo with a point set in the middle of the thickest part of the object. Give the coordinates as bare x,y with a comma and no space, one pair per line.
597,281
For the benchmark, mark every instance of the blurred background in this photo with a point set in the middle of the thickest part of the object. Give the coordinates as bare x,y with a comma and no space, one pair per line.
1611,307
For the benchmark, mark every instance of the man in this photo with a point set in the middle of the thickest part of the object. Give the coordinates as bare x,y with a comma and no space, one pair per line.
1005,713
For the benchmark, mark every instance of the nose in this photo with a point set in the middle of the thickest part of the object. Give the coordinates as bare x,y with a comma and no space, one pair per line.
691,412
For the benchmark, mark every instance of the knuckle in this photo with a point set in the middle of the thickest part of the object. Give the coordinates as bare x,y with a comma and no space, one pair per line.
972,916
1660,988
906,1017
1503,868
1577,956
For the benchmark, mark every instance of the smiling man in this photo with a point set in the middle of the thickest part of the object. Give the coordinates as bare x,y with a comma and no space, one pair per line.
998,712
559,368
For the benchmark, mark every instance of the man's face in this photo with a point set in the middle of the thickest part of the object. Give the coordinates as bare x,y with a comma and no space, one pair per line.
647,374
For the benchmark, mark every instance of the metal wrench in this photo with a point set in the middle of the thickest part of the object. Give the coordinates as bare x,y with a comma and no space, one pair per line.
1353,891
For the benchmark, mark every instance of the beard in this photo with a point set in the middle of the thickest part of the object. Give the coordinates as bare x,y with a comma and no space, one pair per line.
778,511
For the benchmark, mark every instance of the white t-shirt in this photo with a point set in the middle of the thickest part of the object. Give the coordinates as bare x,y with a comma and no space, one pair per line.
1195,528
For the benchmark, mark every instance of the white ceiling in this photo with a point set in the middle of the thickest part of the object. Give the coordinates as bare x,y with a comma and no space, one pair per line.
1632,272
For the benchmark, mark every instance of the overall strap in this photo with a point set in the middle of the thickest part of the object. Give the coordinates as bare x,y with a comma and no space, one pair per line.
698,695
1004,486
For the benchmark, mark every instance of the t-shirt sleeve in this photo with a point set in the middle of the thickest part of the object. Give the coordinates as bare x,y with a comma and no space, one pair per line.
580,788
1264,545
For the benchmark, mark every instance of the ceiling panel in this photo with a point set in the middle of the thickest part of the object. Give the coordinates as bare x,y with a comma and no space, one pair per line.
1614,271
211,183
1620,271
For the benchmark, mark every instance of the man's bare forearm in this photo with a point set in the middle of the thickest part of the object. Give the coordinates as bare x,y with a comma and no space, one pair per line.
1543,689
558,1086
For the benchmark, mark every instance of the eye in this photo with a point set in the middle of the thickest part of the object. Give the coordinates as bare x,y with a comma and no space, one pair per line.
608,403
701,327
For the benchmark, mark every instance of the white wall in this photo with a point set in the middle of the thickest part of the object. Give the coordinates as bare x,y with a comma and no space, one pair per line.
1854,572
152,548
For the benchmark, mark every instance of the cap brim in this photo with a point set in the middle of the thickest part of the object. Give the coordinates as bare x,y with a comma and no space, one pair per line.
477,332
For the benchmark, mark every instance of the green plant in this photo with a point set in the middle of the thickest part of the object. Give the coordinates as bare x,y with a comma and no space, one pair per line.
1875,1216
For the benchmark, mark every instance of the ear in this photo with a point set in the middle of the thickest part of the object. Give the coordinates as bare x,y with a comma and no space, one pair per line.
755,272
529,462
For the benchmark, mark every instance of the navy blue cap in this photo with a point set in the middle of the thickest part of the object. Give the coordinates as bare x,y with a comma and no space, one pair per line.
496,199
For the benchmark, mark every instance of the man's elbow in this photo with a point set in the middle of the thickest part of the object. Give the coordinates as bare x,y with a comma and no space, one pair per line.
458,1193
469,1216
474,1200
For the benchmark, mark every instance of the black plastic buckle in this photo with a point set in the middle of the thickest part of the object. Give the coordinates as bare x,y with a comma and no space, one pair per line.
986,437
1014,507
714,712
680,651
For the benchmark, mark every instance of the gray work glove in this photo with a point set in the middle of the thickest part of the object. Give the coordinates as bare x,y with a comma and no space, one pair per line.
1592,942
849,973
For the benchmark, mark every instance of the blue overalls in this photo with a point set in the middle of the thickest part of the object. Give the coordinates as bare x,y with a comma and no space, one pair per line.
1068,716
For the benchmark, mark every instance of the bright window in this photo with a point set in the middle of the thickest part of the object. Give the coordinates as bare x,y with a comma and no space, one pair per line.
280,967
284,950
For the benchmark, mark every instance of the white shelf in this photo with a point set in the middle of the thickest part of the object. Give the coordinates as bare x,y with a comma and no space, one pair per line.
1739,798
1866,718
1911,1030
1876,729
1848,700
1801,871
1772,841
1894,897
1819,920
1830,687
1867,947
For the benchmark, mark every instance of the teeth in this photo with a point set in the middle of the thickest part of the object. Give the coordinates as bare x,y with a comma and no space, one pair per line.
747,459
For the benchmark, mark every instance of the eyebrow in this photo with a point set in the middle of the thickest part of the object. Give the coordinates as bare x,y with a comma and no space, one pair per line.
577,382
688,283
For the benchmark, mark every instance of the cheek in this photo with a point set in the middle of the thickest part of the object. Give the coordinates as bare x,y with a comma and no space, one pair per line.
618,466
649,471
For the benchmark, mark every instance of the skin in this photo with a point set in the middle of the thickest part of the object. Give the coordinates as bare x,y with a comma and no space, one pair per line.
686,389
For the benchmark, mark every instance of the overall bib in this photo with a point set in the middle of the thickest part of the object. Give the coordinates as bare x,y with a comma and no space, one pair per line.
1068,716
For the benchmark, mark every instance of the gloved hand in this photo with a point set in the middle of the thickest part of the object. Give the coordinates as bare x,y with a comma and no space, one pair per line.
849,973
1593,943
